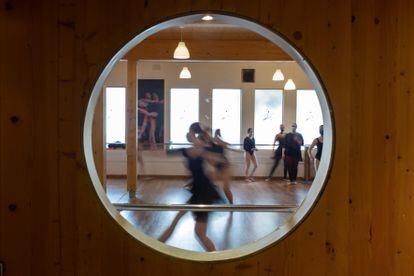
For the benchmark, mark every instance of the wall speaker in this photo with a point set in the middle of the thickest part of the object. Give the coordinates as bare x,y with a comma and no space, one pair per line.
248,75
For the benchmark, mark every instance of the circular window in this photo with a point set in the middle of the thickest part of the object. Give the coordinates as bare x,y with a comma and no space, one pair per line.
241,113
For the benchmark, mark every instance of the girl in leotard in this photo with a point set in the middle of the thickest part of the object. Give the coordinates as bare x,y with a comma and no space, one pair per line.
249,146
318,142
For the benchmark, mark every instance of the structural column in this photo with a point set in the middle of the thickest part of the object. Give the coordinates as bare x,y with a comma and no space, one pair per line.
99,139
131,130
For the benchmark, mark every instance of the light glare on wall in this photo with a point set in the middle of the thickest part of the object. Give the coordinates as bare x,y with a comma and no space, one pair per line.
207,17
290,85
185,73
278,75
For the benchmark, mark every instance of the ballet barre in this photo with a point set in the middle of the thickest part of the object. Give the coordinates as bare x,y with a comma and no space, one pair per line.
280,208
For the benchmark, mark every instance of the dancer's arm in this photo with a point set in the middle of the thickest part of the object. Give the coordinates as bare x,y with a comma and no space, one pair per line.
311,149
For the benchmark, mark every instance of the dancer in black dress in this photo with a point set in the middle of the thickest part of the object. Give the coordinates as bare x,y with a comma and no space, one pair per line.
249,146
280,138
318,142
202,189
292,152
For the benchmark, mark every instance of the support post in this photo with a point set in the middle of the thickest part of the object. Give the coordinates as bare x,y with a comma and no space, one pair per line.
99,139
131,116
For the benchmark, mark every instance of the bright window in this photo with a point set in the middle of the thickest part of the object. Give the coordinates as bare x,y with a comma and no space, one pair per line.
115,114
308,115
226,114
184,112
267,114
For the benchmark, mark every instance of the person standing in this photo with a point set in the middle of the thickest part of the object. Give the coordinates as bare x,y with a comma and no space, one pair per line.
249,146
280,138
292,152
318,142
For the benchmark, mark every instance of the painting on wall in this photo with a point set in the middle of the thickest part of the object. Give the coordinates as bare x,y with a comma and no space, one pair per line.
151,113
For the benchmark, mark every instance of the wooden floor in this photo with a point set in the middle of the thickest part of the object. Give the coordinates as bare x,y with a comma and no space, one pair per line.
226,230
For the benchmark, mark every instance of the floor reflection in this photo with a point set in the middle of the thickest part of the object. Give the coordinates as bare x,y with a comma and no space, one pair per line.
226,230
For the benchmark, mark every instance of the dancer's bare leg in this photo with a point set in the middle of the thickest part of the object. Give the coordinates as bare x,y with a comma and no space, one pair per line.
253,158
226,176
167,233
153,125
143,126
247,158
201,232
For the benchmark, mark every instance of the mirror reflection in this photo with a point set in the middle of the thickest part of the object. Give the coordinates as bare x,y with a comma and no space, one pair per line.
207,136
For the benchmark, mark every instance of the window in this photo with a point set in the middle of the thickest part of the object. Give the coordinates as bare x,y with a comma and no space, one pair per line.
267,114
115,114
308,114
183,112
226,114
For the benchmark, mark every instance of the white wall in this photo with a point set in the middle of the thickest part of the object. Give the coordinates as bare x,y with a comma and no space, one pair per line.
205,77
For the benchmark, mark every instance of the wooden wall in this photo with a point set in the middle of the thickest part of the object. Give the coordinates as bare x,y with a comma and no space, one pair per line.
51,53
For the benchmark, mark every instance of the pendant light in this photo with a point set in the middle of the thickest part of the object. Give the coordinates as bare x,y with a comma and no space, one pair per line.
278,75
185,73
181,52
290,85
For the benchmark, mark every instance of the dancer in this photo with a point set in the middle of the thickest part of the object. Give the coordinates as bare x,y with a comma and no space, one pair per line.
292,152
249,146
223,170
318,142
280,138
202,189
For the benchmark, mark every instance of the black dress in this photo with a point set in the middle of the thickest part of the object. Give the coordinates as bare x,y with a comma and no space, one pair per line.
202,189
218,149
319,147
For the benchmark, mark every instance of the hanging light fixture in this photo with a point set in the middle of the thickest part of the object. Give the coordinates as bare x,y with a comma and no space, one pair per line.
278,75
290,85
185,73
181,52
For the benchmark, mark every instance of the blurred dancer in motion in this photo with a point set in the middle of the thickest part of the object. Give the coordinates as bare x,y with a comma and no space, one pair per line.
223,171
202,189
280,139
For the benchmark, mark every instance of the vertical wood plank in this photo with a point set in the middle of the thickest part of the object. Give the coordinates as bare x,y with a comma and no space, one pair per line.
131,131
99,138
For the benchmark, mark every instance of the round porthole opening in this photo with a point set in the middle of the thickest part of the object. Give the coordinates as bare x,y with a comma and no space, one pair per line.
158,160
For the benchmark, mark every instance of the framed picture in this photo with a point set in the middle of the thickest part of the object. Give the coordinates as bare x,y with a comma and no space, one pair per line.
151,108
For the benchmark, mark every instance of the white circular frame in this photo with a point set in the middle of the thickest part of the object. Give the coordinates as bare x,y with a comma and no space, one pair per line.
314,192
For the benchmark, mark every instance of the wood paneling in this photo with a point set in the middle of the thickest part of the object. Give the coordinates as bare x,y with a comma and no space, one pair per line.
51,221
208,43
209,50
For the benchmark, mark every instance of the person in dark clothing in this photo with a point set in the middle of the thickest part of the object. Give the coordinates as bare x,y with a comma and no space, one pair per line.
292,152
318,142
249,146
280,138
202,189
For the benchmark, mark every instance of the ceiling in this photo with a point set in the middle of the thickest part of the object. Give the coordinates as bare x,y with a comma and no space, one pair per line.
208,41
